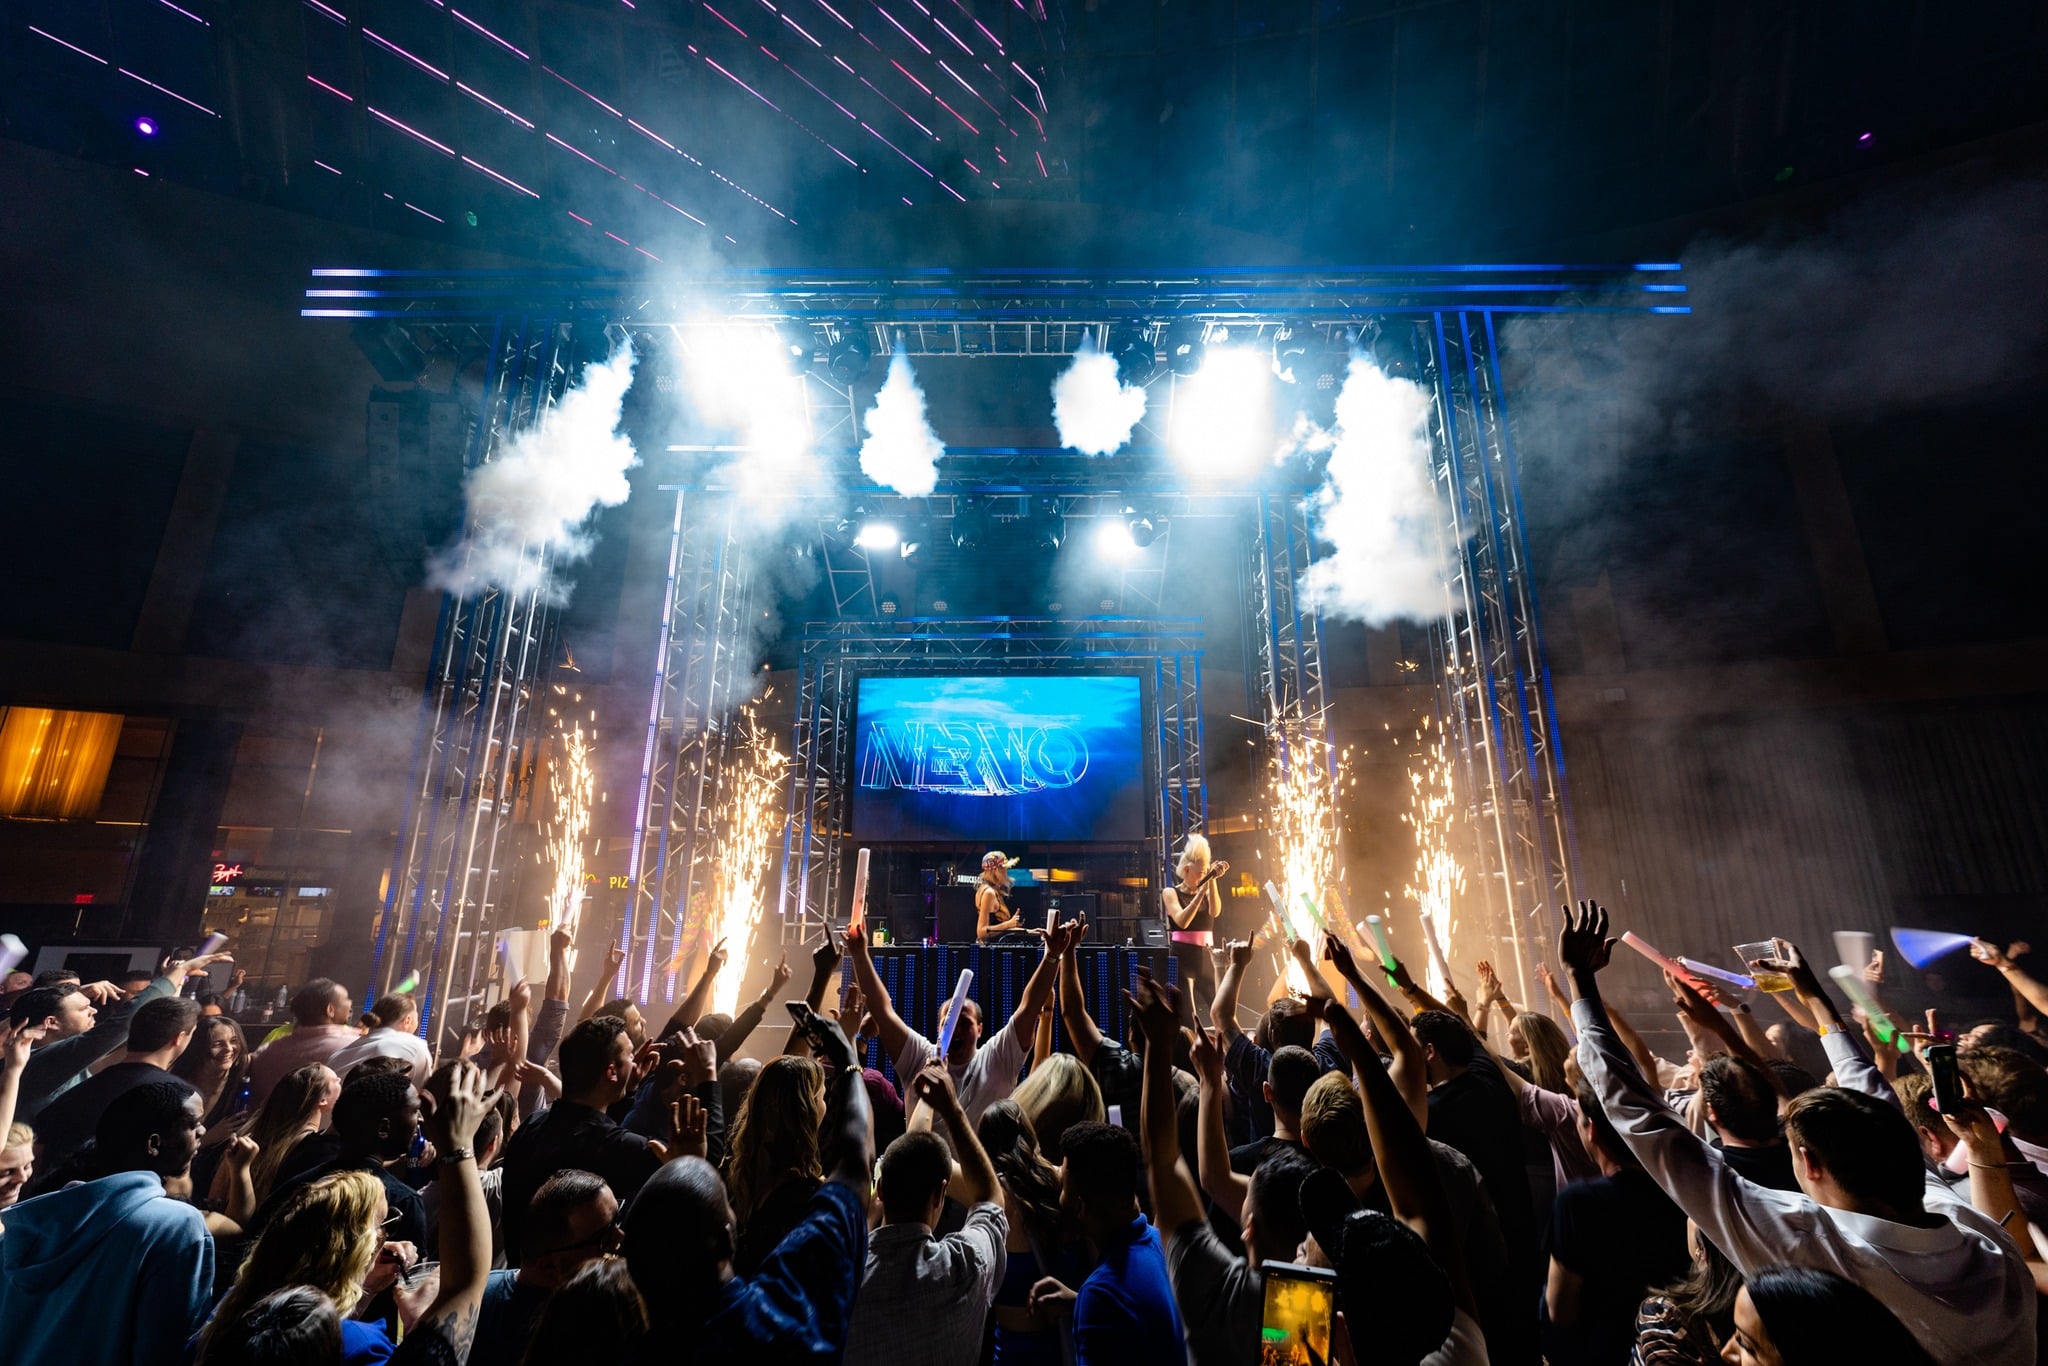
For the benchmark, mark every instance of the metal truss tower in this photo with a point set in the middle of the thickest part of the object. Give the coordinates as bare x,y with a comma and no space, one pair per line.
479,732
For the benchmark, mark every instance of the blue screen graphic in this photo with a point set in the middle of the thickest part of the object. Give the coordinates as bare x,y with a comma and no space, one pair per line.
1016,758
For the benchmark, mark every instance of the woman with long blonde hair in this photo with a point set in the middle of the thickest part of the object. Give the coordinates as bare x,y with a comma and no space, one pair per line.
1542,1045
774,1168
1194,905
1059,1094
326,1234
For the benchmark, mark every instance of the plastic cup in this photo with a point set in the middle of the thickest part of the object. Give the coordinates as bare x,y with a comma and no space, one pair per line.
1752,956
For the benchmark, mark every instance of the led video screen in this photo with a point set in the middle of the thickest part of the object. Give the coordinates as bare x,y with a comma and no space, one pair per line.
1005,758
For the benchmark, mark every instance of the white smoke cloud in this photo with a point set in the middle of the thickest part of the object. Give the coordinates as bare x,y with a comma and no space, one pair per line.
1093,409
901,452
1377,508
739,380
528,508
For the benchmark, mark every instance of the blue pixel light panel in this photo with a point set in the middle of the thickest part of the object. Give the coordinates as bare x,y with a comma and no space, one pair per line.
999,758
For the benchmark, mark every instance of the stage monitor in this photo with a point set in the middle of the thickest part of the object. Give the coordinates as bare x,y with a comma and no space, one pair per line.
1010,758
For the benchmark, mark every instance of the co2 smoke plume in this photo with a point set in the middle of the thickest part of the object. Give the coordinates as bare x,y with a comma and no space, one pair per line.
527,509
901,452
1377,508
1093,409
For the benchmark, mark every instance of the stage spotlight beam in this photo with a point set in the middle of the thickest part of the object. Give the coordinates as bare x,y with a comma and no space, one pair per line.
1115,540
1222,417
878,536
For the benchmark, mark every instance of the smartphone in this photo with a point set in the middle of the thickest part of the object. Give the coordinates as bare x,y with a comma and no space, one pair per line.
1116,1115
1300,1306
1947,1078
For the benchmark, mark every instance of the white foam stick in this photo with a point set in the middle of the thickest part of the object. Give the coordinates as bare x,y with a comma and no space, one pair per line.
859,914
1733,979
1853,948
12,951
1436,948
509,956
953,1012
1850,980
215,942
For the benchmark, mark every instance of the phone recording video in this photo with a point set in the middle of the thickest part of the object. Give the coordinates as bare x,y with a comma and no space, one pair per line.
1301,1301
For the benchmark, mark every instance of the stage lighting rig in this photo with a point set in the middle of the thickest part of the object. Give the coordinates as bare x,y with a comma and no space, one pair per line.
1184,347
800,343
1393,348
973,519
849,357
876,535
1130,345
1049,525
1144,528
1115,540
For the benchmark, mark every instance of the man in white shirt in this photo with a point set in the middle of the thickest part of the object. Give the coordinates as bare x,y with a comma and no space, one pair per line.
395,1035
1867,1208
923,1299
982,1073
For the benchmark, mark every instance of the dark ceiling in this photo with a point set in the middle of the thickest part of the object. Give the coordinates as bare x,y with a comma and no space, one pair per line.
608,131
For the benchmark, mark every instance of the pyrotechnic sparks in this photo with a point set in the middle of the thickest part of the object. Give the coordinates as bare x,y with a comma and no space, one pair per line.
570,827
1305,773
1439,876
750,821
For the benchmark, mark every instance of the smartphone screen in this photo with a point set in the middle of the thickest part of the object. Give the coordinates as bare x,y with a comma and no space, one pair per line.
1300,1303
1947,1079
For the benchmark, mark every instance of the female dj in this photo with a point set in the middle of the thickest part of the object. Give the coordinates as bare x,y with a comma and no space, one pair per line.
1194,903
994,920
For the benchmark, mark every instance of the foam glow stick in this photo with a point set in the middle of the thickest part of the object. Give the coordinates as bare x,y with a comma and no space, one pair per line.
1377,928
1273,895
1629,938
953,1012
12,951
514,974
1733,979
1854,947
408,983
859,913
1436,948
1921,947
1850,980
1314,913
215,942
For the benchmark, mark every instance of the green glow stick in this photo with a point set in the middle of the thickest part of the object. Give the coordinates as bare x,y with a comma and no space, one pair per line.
1850,981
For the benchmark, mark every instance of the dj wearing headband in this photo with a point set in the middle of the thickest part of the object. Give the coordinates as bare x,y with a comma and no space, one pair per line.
994,919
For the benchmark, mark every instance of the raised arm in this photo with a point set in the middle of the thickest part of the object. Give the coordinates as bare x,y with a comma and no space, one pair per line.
14,1054
1413,992
691,1008
1749,1223
978,1185
553,1014
1212,1143
1407,1169
2025,987
601,989
1175,1202
465,1247
850,1126
888,1024
1084,1036
1223,1010
1410,1070
1853,1069
749,1019
1708,1027
825,960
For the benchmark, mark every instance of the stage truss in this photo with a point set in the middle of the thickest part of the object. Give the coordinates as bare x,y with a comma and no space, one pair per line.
1493,687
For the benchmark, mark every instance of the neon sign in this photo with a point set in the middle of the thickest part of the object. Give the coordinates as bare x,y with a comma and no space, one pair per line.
972,759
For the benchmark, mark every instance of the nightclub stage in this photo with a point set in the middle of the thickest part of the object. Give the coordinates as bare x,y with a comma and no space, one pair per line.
736,836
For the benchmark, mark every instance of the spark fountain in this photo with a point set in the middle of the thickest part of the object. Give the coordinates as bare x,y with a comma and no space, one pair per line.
1439,877
570,828
1305,774
751,820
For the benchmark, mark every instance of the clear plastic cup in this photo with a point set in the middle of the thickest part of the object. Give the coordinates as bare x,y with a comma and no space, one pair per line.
1753,957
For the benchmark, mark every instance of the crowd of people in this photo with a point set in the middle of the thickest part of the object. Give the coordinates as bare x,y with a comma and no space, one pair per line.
1368,1174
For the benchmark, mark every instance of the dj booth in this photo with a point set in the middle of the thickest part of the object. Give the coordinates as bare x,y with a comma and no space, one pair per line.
921,978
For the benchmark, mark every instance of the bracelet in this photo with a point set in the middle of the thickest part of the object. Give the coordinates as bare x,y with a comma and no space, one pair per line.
455,1155
2000,1166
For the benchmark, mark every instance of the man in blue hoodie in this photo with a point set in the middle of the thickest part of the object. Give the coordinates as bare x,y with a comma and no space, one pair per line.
112,1272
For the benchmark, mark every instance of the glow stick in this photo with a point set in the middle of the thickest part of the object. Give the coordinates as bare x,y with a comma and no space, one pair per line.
1629,938
215,942
1314,913
1377,928
12,951
1850,980
1921,947
408,983
1854,947
514,974
859,914
1273,895
953,1012
1436,948
1733,979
